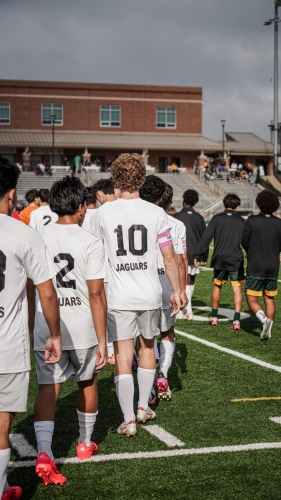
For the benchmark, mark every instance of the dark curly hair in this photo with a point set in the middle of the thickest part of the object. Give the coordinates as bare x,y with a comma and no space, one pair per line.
31,195
167,198
66,195
267,201
104,185
190,197
153,189
231,200
91,196
128,172
9,174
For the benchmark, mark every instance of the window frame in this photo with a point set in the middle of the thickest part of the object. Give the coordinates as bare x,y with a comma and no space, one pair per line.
166,108
9,108
110,120
60,124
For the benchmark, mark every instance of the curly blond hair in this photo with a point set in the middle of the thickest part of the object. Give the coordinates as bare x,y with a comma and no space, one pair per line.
128,172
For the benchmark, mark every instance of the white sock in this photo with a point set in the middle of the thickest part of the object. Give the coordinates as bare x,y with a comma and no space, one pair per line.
125,392
167,350
4,462
110,349
188,294
270,328
145,382
156,351
86,426
261,316
192,290
44,436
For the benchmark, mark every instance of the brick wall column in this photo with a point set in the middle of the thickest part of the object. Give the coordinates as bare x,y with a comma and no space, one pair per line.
145,157
86,156
26,160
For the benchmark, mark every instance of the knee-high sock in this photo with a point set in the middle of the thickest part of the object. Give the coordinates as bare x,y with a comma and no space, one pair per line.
4,462
86,426
156,351
167,350
125,392
44,435
261,316
192,290
145,381
189,296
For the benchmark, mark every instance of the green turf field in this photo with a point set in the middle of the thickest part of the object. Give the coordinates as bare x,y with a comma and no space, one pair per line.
201,414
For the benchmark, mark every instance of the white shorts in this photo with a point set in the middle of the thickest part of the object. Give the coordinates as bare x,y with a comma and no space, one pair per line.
14,392
124,325
166,322
193,270
77,363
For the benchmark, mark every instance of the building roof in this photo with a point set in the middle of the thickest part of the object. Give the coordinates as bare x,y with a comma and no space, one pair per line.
247,142
108,140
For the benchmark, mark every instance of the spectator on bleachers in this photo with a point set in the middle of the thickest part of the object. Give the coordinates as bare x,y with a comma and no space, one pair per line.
38,171
32,199
48,170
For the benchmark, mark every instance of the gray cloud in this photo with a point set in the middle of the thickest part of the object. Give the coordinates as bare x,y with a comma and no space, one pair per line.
217,44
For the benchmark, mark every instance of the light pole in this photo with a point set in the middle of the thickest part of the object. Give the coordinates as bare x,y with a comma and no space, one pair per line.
53,117
223,124
276,20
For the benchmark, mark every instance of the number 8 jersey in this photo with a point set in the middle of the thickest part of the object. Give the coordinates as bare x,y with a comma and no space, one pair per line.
132,231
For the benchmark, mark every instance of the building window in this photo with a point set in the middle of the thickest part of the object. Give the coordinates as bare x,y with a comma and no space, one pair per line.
5,113
52,109
110,116
166,118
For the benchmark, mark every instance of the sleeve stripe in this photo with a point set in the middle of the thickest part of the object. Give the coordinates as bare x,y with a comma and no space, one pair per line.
163,235
165,244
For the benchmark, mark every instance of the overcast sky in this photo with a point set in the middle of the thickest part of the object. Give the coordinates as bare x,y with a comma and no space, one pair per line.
220,45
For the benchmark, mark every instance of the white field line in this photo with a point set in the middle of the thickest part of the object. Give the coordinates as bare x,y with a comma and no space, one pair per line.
22,446
230,351
276,420
166,437
158,454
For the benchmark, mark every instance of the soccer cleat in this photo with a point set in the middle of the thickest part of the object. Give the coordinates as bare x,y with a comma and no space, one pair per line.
213,321
161,383
46,468
13,493
165,396
83,451
129,429
236,325
111,359
266,334
152,397
144,415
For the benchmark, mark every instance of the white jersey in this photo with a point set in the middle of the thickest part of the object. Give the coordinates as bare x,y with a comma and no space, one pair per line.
22,255
182,231
92,228
132,231
87,221
42,217
77,256
178,247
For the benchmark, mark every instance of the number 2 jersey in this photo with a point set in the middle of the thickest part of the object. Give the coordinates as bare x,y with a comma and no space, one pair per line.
77,256
42,217
23,255
132,231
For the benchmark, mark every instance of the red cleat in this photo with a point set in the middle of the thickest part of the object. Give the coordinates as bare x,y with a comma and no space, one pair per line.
13,493
83,451
46,468
236,325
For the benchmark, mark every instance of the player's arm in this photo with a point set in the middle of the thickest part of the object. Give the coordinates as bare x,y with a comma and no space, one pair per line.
203,245
98,307
182,278
172,271
30,292
246,235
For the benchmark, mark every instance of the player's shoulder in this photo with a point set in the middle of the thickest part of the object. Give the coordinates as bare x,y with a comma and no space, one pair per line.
25,235
107,209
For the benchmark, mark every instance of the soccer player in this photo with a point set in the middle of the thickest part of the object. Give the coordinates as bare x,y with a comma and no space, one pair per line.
132,230
78,258
32,199
43,215
91,207
226,230
155,190
261,239
195,227
22,255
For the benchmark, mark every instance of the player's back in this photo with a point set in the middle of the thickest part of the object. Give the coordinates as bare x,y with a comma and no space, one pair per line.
195,227
77,256
87,220
132,231
42,217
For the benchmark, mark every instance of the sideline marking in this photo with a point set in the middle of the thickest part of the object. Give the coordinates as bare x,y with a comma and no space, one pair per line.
230,351
158,454
274,398
228,313
277,420
22,446
166,437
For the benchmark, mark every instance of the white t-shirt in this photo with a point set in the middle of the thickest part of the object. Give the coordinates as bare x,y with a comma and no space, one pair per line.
22,255
77,256
87,221
132,231
178,247
42,217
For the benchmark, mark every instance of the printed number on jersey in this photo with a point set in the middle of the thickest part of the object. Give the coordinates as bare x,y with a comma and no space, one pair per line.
121,251
2,270
61,282
47,219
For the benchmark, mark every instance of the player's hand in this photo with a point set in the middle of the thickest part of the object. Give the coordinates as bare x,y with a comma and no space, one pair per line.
203,263
184,299
52,350
175,302
196,262
101,358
